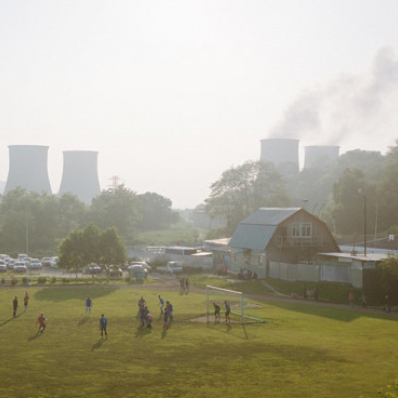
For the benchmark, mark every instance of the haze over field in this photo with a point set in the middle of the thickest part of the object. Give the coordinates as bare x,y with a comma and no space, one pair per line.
171,94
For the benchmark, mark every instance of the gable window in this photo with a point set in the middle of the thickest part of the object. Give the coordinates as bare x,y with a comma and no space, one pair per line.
306,230
302,230
295,230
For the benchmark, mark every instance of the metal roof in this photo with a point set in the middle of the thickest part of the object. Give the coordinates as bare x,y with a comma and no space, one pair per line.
270,216
256,231
253,237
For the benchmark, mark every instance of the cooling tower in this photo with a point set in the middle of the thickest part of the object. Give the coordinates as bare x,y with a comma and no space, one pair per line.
320,154
80,175
280,151
28,168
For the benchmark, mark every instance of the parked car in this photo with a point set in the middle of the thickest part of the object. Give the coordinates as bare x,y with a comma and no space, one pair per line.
3,266
113,270
172,267
11,263
92,269
143,264
138,271
35,264
20,266
46,262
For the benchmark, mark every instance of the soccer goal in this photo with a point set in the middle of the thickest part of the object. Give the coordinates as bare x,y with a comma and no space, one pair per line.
235,299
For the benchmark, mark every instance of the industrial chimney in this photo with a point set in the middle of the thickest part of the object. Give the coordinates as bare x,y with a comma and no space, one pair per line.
281,151
80,175
320,154
28,168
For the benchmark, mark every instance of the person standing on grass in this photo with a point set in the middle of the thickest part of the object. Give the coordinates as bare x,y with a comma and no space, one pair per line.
25,302
186,285
161,304
14,306
166,316
170,311
387,308
103,324
89,305
217,310
42,323
351,298
227,311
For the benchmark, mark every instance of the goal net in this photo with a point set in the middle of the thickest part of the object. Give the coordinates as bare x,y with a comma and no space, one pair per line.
219,296
240,309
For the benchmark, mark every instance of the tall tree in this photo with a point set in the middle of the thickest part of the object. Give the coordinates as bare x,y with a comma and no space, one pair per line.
352,192
156,212
241,190
91,245
117,208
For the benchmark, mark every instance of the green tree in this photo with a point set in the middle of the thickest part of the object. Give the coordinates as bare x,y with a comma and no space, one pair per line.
112,248
349,194
37,222
387,274
387,197
72,214
156,212
91,245
117,208
241,190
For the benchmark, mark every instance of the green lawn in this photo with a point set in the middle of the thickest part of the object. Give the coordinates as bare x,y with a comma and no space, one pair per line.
302,351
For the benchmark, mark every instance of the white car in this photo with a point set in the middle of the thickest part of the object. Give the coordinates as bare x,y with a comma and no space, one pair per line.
35,264
3,266
20,266
172,267
142,264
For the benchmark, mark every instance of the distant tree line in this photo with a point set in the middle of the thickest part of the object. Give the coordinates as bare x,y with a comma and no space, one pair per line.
38,223
336,191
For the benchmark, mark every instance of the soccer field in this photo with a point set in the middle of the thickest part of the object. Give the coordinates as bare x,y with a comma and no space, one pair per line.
302,351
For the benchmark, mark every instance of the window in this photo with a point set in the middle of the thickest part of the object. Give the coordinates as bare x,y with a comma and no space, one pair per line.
306,230
295,230
302,230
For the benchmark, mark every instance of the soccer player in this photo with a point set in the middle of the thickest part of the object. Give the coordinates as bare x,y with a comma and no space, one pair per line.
14,306
103,324
89,304
42,323
25,302
161,305
216,311
227,311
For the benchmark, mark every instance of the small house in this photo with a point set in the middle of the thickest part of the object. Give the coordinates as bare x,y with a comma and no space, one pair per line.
280,243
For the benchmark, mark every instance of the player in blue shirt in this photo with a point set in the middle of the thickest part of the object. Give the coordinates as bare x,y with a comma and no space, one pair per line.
103,324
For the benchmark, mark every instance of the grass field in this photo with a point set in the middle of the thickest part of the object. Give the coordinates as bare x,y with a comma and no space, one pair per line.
302,350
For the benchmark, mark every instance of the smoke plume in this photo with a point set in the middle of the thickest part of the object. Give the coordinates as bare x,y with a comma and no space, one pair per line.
349,106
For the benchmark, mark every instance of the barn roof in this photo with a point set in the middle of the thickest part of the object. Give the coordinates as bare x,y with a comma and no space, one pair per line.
255,231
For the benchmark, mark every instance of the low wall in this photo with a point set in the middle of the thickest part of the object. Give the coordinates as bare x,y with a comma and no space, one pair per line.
316,273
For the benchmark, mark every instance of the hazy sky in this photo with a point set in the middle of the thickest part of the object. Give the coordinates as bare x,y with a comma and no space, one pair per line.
173,93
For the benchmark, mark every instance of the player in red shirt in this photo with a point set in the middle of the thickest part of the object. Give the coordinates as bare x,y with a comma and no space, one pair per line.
42,323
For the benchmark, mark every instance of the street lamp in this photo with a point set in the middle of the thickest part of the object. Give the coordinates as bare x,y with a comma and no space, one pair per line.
364,220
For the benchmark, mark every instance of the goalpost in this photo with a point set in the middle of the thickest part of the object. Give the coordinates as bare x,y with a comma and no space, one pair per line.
224,295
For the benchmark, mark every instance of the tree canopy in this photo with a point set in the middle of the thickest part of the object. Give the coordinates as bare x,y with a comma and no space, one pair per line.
91,245
241,190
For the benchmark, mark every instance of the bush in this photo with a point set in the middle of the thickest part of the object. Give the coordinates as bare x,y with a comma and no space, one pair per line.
65,280
53,279
41,280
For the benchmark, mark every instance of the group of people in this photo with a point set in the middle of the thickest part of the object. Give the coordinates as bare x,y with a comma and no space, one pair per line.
146,319
217,310
166,312
15,304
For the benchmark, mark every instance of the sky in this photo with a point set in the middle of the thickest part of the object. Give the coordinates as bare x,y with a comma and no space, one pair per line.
173,93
